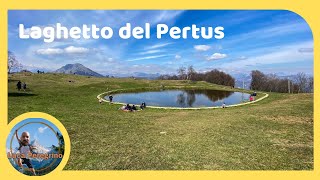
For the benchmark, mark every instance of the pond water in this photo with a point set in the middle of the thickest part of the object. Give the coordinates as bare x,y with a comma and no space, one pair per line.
182,98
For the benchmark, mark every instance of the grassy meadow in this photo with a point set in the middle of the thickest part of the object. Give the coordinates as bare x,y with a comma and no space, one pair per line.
273,134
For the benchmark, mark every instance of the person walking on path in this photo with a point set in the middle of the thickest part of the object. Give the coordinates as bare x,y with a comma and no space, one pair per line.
19,85
110,98
24,86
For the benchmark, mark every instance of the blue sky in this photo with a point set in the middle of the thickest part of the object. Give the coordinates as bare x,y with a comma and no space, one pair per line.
270,41
40,132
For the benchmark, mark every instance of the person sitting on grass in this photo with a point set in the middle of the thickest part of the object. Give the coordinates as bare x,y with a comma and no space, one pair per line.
223,105
143,105
133,108
25,149
128,107
251,98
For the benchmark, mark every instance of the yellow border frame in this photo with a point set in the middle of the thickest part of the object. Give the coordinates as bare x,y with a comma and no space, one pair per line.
307,9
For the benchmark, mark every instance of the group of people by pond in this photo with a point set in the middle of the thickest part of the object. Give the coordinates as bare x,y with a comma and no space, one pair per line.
132,108
251,98
126,107
22,86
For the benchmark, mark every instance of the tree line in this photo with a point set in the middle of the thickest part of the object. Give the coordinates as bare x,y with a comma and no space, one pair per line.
300,83
214,76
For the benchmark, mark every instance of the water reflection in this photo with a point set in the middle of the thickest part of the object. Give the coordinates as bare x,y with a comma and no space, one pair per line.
189,96
182,98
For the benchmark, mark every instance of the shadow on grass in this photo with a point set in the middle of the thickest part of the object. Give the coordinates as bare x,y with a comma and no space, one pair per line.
18,94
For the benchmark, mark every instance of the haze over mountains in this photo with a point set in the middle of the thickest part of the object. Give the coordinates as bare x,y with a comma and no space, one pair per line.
243,80
141,75
80,69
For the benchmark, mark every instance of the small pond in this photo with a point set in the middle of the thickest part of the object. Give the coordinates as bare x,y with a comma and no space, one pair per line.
182,98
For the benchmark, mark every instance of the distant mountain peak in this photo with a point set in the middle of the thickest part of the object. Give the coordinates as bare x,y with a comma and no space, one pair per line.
78,69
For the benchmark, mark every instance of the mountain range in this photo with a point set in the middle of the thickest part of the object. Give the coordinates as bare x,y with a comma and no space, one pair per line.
78,69
243,80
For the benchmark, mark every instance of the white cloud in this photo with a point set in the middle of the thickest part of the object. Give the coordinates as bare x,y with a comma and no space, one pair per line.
110,60
177,57
280,54
39,56
42,129
160,45
59,51
202,47
216,56
153,51
120,69
76,50
147,57
242,58
268,32
306,50
118,18
167,15
50,51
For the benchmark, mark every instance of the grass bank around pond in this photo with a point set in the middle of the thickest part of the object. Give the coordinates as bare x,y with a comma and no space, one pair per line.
273,134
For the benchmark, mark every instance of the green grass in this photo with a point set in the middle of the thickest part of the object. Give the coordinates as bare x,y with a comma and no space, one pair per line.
273,134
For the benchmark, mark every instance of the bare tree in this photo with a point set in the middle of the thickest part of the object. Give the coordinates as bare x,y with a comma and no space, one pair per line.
182,73
191,72
310,84
13,63
215,76
258,80
302,81
273,83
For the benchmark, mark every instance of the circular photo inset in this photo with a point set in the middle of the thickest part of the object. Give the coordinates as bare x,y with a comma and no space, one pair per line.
35,147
